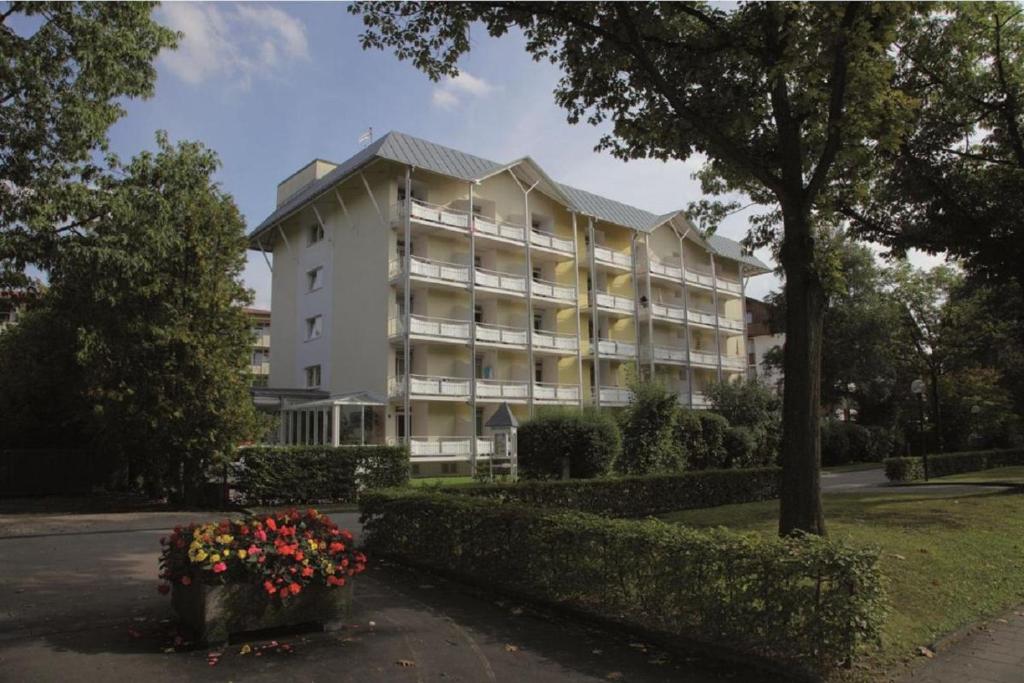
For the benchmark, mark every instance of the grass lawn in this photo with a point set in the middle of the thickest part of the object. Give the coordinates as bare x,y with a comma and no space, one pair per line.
854,467
951,560
999,475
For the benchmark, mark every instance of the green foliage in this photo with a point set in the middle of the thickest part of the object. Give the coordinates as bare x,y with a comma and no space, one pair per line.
847,442
741,444
63,84
648,431
800,601
588,441
701,435
639,496
273,475
750,404
940,465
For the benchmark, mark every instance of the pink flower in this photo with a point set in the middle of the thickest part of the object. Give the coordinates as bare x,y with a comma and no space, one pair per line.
253,549
219,567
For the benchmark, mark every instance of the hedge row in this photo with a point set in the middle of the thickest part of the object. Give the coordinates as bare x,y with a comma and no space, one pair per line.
803,602
640,495
308,474
910,469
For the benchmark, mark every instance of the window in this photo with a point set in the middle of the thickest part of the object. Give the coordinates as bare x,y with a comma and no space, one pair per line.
752,359
750,317
449,468
260,356
479,421
400,248
313,377
400,424
314,279
478,314
316,233
538,322
314,327
542,223
538,273
538,371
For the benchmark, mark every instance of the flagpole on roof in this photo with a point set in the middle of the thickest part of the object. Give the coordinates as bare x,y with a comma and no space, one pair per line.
366,137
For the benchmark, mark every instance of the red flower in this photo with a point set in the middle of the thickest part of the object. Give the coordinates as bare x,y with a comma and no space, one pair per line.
271,524
307,571
346,534
260,535
294,588
186,581
299,555
335,581
163,589
253,549
336,547
269,587
283,593
219,567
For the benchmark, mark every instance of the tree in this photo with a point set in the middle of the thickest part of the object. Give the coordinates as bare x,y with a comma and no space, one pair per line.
955,184
649,441
163,341
790,104
750,405
64,70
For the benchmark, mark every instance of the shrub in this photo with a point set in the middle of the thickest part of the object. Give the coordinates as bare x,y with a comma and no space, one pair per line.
305,474
750,403
943,464
640,495
587,441
881,445
846,442
648,431
702,437
803,601
740,447
283,553
835,443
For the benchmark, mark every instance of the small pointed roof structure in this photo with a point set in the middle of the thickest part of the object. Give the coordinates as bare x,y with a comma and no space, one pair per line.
502,418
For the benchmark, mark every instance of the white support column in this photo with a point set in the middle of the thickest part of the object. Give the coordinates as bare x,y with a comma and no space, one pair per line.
335,425
406,324
686,319
743,317
528,228
472,332
650,304
579,319
636,300
595,334
718,328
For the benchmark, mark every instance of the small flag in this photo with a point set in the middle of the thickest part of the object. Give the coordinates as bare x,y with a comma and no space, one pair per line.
367,137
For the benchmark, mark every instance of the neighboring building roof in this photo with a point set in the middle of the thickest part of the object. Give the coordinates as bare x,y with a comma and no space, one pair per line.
430,156
256,311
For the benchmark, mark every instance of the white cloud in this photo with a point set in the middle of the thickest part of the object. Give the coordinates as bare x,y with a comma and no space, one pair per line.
446,94
232,42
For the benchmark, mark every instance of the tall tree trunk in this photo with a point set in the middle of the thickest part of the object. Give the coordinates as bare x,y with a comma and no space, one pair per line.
800,505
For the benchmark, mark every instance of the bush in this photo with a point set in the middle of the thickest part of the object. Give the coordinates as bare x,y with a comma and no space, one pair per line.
846,442
910,469
802,601
307,474
835,443
638,496
588,441
740,447
648,432
751,404
881,445
701,435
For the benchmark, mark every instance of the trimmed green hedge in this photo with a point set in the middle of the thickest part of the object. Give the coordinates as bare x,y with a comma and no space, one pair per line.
585,441
940,465
803,602
308,474
639,496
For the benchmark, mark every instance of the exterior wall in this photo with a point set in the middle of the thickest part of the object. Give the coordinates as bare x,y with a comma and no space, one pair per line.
314,170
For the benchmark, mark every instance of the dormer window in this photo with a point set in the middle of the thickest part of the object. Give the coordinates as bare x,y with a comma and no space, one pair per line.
316,233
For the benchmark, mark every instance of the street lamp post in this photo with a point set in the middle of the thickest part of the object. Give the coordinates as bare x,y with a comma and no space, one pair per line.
850,388
917,387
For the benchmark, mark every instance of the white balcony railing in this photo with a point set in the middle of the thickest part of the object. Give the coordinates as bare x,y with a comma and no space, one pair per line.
729,286
668,354
730,324
259,368
612,257
676,314
505,282
674,273
704,358
448,446
734,362
556,393
554,291
700,400
699,275
423,326
499,334
614,302
540,238
439,271
611,348
495,228
615,395
431,386
549,341
699,317
499,389
434,214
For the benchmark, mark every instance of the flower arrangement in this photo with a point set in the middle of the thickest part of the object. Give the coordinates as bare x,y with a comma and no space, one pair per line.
284,553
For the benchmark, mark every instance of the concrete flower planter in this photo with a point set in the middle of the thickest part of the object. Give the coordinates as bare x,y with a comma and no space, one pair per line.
213,613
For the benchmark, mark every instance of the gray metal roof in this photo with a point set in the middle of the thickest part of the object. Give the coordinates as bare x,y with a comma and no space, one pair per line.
502,418
429,156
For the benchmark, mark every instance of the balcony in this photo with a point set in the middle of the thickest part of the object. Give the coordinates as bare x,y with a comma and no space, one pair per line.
613,303
700,276
546,392
611,348
729,286
501,230
730,324
700,400
500,390
504,283
668,313
429,270
657,269
609,257
670,355
431,387
261,341
697,316
439,329
553,291
448,447
424,213
704,359
738,363
547,241
259,368
555,343
615,396
499,335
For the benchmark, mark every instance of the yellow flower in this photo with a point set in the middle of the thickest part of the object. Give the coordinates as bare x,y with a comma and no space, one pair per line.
215,558
225,539
241,554
227,552
200,555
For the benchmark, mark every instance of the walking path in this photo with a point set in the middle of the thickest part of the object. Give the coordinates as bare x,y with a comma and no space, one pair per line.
78,601
992,653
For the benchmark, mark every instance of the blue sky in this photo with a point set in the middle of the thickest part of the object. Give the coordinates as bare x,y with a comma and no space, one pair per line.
271,86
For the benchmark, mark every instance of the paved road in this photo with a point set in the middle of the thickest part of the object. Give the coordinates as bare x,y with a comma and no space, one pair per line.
993,653
874,481
78,602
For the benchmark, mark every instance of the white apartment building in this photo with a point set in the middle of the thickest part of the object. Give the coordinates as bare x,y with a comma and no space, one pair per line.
421,287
